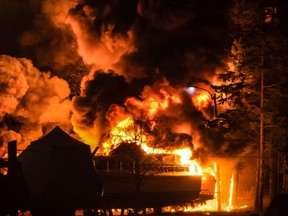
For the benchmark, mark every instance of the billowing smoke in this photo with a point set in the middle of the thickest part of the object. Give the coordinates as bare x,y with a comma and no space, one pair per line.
180,38
103,31
138,38
50,42
31,101
112,54
90,66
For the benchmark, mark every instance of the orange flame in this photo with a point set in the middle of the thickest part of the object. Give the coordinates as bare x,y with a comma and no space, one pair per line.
125,131
201,100
230,203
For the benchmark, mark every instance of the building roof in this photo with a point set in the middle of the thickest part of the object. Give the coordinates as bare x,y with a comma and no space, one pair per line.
58,170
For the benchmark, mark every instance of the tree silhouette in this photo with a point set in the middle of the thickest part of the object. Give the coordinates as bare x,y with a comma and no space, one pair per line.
253,90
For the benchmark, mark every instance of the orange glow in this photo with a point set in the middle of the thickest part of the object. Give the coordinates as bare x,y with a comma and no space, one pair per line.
230,201
104,51
125,131
154,99
201,100
228,204
231,66
216,190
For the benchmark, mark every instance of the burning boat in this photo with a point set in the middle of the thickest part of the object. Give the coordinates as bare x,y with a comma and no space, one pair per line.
140,173
133,179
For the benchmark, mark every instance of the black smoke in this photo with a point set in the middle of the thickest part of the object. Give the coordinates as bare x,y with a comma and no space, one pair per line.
181,41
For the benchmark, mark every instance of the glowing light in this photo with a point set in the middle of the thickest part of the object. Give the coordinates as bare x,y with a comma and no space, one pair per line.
191,90
230,205
185,155
195,168
217,189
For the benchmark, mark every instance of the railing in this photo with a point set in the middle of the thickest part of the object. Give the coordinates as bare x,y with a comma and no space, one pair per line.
120,166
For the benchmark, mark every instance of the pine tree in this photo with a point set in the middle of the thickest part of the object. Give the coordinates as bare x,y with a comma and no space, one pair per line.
254,88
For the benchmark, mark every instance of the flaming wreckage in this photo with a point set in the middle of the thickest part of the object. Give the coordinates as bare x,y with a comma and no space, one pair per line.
59,175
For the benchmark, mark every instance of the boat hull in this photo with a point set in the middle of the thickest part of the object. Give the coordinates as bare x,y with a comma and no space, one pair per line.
156,191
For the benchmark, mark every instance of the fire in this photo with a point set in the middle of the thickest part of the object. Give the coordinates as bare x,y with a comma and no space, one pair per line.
127,124
155,99
201,100
185,155
230,204
125,131
222,200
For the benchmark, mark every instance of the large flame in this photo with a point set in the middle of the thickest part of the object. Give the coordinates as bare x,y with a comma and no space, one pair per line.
202,100
125,126
200,96
125,131
97,34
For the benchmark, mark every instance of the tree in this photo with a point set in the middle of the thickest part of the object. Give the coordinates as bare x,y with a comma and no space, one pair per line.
253,88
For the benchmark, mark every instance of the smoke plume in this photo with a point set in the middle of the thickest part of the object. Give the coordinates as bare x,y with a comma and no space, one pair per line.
31,101
107,54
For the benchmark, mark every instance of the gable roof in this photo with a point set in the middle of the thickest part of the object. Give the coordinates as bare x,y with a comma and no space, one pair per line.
60,136
58,170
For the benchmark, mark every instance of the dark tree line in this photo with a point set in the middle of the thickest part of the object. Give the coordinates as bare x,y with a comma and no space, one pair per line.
255,90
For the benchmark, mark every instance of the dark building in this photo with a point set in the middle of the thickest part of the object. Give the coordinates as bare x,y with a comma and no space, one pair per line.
60,175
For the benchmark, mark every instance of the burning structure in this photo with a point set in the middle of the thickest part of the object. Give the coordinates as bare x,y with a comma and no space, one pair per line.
135,179
122,71
60,176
